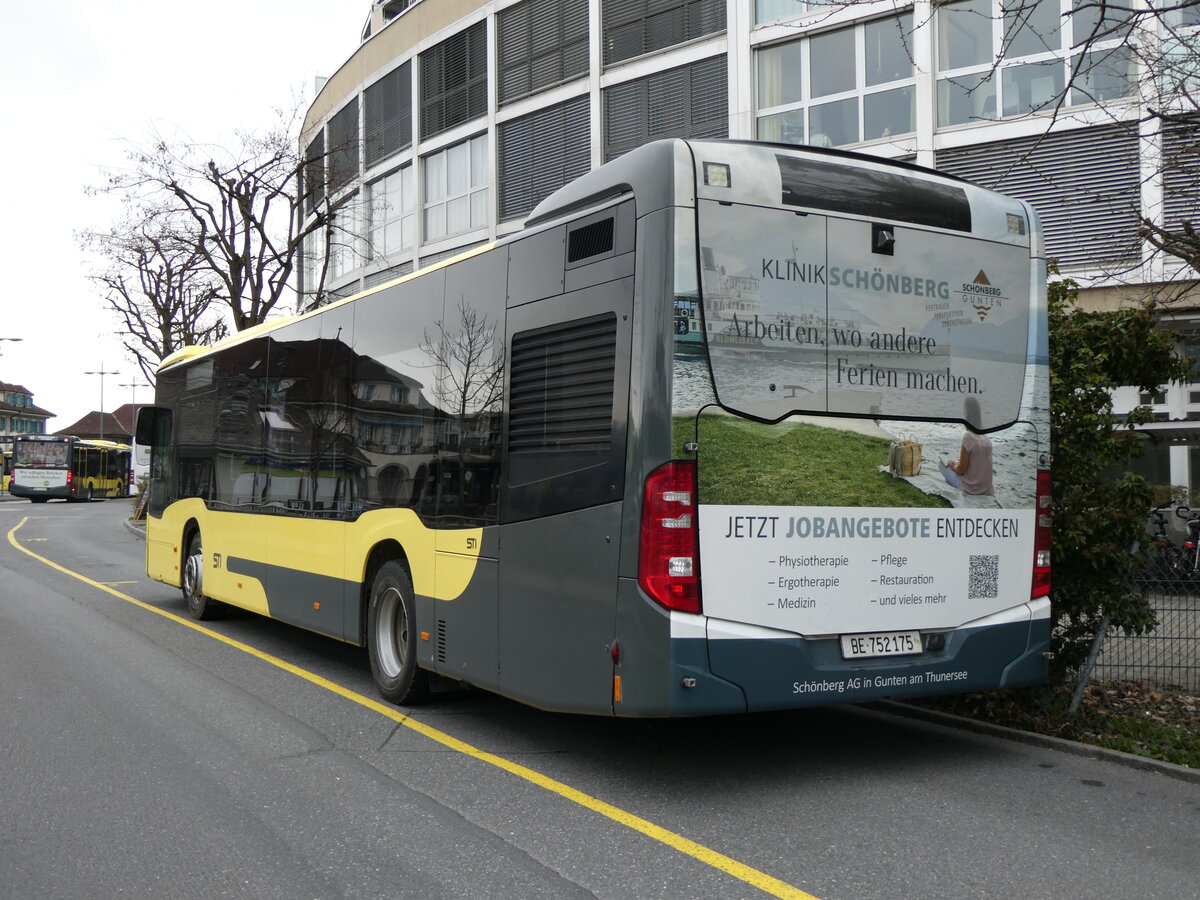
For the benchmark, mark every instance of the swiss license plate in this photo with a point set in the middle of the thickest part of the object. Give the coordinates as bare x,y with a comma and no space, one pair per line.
881,643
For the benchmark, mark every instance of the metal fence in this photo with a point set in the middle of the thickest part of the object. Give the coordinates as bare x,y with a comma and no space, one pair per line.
1169,656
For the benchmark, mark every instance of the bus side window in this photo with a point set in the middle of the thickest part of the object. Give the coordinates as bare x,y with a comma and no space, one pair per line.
154,431
149,425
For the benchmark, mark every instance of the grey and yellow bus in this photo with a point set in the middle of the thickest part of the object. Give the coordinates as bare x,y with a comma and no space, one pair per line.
674,448
45,466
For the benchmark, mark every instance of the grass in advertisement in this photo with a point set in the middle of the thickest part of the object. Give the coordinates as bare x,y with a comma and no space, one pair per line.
793,464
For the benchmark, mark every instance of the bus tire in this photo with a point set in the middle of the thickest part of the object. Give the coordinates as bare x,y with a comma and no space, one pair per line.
392,636
191,583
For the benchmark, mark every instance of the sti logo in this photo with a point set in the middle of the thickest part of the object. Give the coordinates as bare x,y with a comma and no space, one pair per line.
216,560
471,542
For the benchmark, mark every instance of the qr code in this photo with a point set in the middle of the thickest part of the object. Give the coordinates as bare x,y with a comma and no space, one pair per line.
984,574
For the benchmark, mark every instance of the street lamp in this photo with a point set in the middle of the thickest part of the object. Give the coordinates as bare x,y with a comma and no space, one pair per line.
10,339
133,386
102,372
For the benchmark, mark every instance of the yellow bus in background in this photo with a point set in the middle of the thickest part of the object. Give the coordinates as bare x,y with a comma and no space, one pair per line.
48,465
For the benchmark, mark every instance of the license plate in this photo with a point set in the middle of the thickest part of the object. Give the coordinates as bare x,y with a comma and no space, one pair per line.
881,643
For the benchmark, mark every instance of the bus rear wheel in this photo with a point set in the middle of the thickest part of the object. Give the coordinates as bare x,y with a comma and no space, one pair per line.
199,606
392,636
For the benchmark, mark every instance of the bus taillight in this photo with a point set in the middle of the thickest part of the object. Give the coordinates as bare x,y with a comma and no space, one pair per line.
669,553
1041,535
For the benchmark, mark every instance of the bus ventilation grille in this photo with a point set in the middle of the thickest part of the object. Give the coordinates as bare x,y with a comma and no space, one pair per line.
561,390
590,240
441,641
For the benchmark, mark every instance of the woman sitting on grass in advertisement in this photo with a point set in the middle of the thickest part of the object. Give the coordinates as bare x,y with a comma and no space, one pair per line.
972,473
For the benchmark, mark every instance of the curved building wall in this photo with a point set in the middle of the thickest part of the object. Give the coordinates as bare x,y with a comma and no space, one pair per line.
454,118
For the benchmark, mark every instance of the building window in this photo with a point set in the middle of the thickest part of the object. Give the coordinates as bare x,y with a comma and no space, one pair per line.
541,152
541,43
1104,75
773,10
345,230
456,191
313,252
454,81
343,147
839,87
387,111
1182,15
634,27
314,172
1000,58
690,101
392,218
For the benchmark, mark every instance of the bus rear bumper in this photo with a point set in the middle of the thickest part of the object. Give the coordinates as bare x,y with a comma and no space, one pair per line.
782,673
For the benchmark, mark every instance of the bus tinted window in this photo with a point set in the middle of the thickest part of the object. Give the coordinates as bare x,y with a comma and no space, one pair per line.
800,315
837,187
309,455
40,454
238,473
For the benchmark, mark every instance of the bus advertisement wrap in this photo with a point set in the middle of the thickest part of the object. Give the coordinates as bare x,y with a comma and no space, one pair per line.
829,570
43,479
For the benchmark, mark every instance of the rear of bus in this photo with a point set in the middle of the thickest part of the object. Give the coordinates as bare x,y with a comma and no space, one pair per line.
41,467
853,321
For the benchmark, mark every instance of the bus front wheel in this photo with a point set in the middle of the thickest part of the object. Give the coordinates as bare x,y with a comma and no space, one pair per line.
392,636
199,606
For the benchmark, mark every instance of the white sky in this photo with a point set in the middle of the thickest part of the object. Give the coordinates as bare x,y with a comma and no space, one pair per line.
79,79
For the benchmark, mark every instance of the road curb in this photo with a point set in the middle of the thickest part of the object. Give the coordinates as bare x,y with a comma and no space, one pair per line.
139,530
1129,760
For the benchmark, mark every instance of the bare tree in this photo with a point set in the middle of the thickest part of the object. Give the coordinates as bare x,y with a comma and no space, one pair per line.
467,356
469,360
157,288
242,209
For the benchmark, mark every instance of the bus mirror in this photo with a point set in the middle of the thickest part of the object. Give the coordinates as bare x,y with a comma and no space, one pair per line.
147,424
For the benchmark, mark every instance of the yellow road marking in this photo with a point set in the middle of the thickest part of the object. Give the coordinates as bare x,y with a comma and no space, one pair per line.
699,852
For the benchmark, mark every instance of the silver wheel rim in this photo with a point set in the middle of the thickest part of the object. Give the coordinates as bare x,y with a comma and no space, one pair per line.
391,633
192,576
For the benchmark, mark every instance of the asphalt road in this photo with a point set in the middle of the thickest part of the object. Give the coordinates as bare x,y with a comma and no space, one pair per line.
144,758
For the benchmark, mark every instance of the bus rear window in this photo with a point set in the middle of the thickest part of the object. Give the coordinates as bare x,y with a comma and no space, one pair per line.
838,187
799,315
40,454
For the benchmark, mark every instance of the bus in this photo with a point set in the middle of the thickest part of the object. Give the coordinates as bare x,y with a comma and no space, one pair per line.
7,470
633,459
48,465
